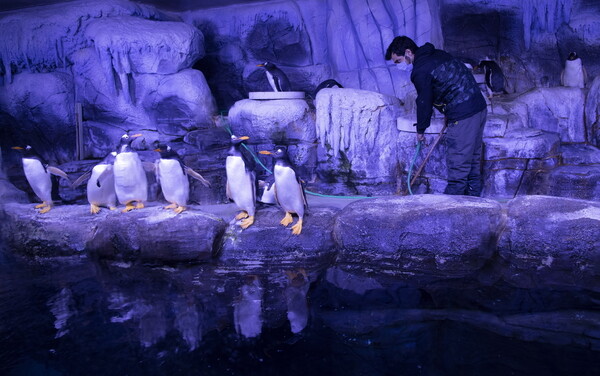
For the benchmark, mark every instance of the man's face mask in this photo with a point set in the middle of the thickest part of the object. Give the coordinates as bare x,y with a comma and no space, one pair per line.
404,66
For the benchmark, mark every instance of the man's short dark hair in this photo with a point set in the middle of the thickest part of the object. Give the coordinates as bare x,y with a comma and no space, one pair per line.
399,46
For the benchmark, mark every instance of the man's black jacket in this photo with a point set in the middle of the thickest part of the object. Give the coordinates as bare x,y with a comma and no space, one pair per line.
446,83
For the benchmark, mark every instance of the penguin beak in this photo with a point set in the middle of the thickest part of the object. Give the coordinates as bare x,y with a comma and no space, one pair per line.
265,152
260,65
244,138
17,148
136,135
158,150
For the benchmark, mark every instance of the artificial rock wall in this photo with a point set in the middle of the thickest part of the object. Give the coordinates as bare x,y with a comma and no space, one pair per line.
135,68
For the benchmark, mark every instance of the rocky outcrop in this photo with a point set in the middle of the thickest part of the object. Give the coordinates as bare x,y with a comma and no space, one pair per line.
149,235
551,243
418,239
358,136
421,240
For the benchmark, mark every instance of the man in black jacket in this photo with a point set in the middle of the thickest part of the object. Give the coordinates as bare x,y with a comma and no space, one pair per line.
446,83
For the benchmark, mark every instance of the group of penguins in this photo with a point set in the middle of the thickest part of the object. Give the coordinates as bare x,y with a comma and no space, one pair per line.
121,176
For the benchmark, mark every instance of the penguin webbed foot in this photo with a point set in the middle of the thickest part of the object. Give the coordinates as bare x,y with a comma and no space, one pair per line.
287,219
140,205
42,205
94,209
171,206
45,208
247,222
297,228
128,207
241,215
179,209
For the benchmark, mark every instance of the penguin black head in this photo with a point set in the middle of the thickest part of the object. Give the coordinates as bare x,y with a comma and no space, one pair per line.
166,152
236,141
125,143
280,153
268,66
29,153
573,56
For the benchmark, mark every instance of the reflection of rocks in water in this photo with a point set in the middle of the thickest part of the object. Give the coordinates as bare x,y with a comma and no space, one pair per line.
247,312
188,321
61,305
295,298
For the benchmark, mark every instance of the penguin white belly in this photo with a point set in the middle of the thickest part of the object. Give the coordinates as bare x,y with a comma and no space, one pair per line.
271,81
240,185
130,178
289,191
573,74
104,195
38,178
173,182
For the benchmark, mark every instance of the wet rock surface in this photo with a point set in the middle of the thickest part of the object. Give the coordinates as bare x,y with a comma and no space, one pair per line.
419,238
551,243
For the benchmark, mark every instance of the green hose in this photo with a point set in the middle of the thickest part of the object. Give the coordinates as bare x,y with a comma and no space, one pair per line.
412,165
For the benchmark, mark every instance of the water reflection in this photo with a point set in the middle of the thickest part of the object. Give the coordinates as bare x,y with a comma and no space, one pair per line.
295,298
247,311
61,305
188,321
72,317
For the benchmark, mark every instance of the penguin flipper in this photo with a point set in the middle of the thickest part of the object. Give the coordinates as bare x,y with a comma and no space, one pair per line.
103,176
156,170
301,187
277,83
197,176
58,172
85,176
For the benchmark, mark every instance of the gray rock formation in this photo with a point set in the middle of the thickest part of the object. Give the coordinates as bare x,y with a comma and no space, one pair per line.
551,242
418,239
358,135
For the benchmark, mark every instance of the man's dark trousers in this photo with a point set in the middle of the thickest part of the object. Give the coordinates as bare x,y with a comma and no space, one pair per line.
463,155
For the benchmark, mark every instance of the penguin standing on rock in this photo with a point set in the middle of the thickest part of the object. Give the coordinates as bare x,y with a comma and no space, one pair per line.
277,79
131,184
172,175
37,171
101,185
289,192
494,77
241,182
574,74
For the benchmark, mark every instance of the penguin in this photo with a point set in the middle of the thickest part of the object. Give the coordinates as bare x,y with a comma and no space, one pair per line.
101,184
267,190
326,85
494,77
289,192
131,184
277,79
241,182
38,173
574,74
172,175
